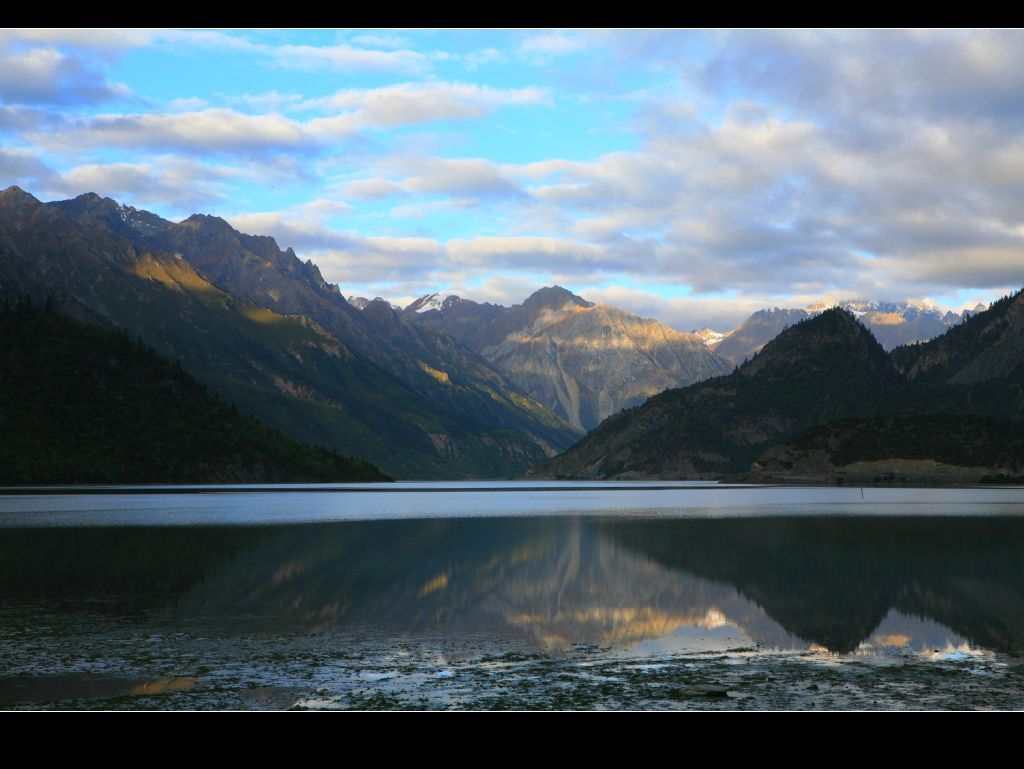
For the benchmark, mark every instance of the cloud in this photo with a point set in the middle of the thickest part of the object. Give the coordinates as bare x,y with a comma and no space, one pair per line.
47,76
460,176
544,46
225,130
426,208
464,178
371,189
347,257
23,167
684,313
271,100
189,104
752,164
410,103
179,184
938,73
17,118
381,41
347,58
101,40
375,56
209,130
476,59
300,227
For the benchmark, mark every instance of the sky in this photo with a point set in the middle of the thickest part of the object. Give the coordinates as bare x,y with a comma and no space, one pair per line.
693,176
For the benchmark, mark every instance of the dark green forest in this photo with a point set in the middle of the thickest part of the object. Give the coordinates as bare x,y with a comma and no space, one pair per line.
84,404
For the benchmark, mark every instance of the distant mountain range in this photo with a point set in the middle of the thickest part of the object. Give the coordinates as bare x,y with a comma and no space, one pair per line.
892,323
965,385
584,361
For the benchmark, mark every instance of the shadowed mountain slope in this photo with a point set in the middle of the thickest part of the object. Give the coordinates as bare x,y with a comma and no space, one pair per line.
83,404
824,368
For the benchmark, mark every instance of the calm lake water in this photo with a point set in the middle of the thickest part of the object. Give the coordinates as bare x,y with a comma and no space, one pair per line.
512,595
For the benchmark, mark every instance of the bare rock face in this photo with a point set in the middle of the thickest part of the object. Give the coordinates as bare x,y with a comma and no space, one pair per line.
592,362
584,361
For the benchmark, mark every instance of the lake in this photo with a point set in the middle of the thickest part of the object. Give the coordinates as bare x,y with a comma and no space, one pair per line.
512,595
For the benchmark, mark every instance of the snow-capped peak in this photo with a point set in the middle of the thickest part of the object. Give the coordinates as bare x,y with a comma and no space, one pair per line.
435,301
426,303
711,337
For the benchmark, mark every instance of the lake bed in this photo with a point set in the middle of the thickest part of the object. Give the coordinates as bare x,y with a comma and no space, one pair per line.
498,595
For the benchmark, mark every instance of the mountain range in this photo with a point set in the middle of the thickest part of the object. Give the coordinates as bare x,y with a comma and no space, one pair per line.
584,361
448,387
966,385
268,334
892,324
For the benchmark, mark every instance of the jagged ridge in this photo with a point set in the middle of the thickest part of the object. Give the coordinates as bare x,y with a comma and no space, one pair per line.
585,361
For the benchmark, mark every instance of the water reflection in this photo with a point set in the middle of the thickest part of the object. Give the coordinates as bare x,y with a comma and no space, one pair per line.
843,585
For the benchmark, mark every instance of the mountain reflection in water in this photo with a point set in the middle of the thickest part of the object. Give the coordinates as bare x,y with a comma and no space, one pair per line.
788,583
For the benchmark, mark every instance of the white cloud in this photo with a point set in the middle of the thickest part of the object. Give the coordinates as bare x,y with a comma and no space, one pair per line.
761,164
346,58
271,100
47,76
227,130
463,178
190,104
216,130
102,40
409,103
381,41
684,313
544,46
180,184
371,189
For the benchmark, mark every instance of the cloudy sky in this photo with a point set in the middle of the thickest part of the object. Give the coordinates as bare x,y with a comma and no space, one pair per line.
690,176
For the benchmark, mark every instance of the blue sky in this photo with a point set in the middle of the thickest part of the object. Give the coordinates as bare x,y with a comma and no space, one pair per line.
692,176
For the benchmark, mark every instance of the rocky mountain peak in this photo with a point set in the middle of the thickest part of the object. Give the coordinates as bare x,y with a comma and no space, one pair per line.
381,314
207,223
15,197
91,198
554,298
434,301
124,220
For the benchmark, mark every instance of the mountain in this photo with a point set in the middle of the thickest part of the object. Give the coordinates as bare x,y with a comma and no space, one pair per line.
710,337
755,332
297,355
360,302
442,371
822,368
987,346
823,402
84,404
892,323
900,323
584,361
